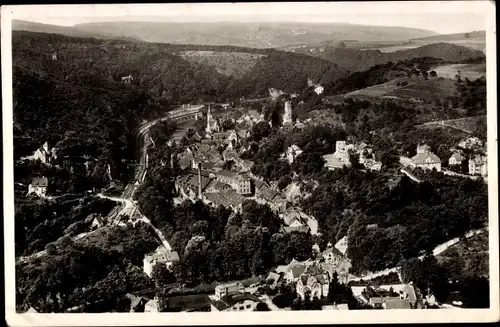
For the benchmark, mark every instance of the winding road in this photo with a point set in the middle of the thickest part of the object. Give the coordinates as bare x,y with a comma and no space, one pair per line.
127,206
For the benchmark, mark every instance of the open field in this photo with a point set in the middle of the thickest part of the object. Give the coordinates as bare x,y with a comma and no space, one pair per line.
227,63
470,71
415,89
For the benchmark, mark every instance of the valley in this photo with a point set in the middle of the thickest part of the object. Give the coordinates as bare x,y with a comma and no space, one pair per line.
351,129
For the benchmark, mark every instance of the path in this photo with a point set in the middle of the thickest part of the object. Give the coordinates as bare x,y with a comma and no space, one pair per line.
410,175
437,251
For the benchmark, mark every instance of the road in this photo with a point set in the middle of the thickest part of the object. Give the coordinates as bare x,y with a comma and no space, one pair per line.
437,251
127,206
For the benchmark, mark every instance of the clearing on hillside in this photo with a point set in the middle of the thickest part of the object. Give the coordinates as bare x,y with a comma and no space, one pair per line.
228,63
470,71
416,89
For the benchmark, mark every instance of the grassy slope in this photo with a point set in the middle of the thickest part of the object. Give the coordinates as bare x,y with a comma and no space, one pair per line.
359,60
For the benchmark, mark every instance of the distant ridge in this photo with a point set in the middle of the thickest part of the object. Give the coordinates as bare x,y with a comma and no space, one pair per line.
252,34
475,35
22,25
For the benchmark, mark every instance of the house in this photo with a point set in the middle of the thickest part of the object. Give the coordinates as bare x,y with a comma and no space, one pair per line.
341,245
332,161
332,255
291,153
314,281
137,303
295,217
38,186
97,222
152,306
293,272
372,165
455,159
161,255
425,159
192,185
44,153
234,302
319,89
241,182
478,165
273,278
228,289
245,165
227,198
266,195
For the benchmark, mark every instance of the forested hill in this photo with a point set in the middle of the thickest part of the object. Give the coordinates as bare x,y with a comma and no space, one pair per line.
359,60
158,68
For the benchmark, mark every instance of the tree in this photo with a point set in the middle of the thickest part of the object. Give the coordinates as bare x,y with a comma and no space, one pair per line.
162,276
261,306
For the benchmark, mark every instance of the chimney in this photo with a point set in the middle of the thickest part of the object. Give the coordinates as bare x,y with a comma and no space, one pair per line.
199,180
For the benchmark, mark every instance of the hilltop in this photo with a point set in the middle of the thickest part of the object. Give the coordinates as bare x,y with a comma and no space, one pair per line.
22,25
258,35
359,60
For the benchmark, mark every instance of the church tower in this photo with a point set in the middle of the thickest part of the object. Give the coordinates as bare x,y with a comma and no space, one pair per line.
287,116
209,119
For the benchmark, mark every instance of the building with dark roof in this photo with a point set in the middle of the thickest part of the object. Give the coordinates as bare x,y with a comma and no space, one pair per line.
235,302
227,198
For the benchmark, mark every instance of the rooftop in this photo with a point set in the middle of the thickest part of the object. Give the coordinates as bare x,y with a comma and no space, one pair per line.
40,182
232,299
425,158
227,198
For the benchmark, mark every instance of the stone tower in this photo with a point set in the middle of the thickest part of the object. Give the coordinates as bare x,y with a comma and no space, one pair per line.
287,116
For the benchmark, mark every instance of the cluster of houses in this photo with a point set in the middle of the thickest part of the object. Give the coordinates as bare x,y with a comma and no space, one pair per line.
394,296
477,162
471,148
343,150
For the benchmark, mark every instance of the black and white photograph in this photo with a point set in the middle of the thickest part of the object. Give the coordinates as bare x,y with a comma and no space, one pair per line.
234,163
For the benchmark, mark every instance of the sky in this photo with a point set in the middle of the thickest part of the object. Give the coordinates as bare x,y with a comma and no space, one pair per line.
438,16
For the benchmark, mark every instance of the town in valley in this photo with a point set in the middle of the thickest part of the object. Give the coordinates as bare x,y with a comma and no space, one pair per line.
296,167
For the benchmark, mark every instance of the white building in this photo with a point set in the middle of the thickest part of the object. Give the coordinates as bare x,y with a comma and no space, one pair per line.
313,281
39,186
455,159
319,89
341,245
478,165
44,153
160,255
425,159
291,153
